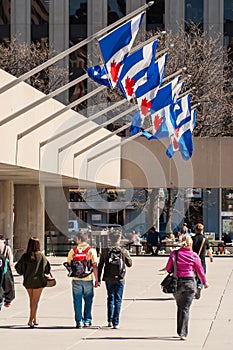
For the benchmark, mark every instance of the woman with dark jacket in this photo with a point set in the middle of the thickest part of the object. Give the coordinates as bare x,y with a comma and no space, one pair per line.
188,263
33,265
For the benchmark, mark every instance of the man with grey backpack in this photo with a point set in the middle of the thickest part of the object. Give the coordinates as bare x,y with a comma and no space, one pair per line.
114,260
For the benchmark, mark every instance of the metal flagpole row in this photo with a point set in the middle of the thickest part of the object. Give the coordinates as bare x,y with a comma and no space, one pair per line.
91,118
57,92
131,138
104,139
98,127
60,90
41,100
63,54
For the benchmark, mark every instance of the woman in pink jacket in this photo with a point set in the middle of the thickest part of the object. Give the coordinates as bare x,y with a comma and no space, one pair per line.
188,263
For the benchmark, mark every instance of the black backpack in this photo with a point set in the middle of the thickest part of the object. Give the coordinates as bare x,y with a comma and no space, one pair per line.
81,264
116,263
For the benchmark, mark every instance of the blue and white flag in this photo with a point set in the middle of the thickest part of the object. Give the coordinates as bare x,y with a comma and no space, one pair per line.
99,75
183,123
160,110
166,101
146,93
136,69
116,45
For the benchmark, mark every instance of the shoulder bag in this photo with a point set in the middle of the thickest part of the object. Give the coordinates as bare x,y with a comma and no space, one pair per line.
51,281
169,284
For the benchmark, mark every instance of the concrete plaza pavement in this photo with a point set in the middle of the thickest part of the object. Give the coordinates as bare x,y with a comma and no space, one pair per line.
148,317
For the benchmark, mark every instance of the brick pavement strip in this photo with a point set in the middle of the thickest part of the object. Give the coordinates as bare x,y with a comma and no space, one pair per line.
148,317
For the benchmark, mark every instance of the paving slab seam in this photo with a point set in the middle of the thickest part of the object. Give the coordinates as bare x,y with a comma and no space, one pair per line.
217,310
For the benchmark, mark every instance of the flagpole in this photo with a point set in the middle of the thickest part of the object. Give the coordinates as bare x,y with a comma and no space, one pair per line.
131,138
60,90
98,127
91,118
65,53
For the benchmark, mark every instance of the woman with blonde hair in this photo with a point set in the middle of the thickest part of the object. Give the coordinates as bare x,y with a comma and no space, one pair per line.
188,263
33,265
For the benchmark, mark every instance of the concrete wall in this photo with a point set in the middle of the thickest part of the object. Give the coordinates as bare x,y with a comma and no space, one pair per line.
145,164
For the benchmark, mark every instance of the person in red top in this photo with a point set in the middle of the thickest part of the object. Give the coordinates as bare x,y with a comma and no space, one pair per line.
188,263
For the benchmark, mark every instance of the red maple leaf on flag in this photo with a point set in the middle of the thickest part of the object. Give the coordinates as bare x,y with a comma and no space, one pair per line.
175,142
115,67
145,106
129,83
157,122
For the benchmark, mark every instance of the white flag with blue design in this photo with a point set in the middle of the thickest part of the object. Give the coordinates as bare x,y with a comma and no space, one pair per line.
184,121
137,69
116,45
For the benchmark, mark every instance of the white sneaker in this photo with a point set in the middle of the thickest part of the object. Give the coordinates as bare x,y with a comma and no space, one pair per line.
182,337
116,327
110,324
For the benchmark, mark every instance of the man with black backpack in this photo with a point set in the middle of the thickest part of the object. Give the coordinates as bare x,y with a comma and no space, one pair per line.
114,259
82,265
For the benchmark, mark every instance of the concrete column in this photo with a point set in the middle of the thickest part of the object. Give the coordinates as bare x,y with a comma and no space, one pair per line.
21,20
57,209
59,24
97,16
214,17
59,35
97,19
132,5
6,209
29,216
174,14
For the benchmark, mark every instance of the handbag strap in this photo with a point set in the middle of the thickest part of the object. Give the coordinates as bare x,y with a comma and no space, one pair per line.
202,244
175,263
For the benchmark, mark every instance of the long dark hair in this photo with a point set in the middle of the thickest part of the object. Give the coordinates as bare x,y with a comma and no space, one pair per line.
32,248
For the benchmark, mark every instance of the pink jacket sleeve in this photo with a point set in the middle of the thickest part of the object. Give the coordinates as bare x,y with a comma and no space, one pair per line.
170,263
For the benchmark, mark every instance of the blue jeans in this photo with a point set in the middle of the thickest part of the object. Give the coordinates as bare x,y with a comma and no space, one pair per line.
199,284
82,291
115,292
186,289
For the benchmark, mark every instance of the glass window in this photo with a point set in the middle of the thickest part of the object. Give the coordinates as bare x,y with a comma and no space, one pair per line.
5,19
39,19
116,10
155,15
194,10
228,26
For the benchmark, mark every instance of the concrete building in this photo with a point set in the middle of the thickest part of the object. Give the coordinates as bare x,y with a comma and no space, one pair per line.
40,156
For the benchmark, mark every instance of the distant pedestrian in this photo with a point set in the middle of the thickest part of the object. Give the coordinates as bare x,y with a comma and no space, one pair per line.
202,247
188,263
113,259
7,290
33,265
82,287
5,249
153,241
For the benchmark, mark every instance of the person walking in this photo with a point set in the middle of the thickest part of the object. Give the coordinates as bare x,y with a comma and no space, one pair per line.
82,287
33,265
188,263
153,241
5,249
7,290
202,247
113,260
